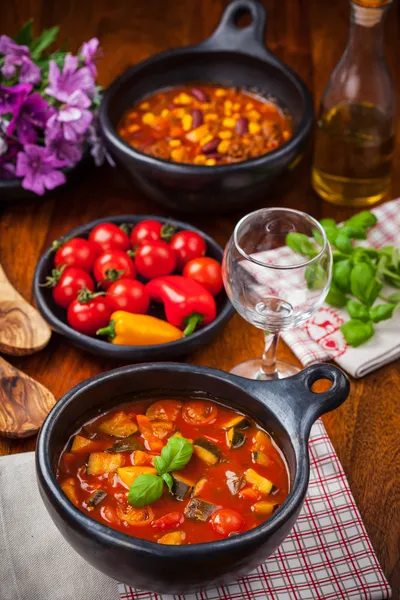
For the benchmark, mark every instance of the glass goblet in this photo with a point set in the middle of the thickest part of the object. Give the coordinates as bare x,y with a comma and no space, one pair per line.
277,270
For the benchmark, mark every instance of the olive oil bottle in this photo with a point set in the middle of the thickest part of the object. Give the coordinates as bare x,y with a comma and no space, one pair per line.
356,124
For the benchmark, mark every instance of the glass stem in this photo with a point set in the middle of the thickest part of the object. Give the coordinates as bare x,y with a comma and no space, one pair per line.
268,361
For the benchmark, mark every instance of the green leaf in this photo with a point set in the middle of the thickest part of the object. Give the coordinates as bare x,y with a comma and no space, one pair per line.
45,40
364,219
372,291
318,237
395,259
316,277
335,297
168,480
338,256
365,255
301,243
382,312
146,489
24,36
357,332
392,278
341,274
328,223
394,298
174,456
361,276
354,232
381,266
357,310
343,243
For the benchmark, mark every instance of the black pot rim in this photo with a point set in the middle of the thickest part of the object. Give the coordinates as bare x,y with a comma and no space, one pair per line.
102,346
111,536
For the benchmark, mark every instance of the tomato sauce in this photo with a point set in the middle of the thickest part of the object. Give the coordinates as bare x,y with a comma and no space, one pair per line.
248,478
205,125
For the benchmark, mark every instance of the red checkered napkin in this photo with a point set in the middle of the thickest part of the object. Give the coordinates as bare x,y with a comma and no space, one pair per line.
327,555
320,338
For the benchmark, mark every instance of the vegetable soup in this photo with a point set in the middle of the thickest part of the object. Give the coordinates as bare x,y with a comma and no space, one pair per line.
205,125
174,471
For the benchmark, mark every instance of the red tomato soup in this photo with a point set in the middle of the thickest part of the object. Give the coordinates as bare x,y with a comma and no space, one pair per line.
226,474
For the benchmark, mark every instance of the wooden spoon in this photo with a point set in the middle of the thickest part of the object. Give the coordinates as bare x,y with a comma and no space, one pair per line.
24,402
22,329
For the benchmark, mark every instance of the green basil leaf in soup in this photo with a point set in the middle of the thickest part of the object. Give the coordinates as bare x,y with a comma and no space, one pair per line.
146,489
168,480
176,454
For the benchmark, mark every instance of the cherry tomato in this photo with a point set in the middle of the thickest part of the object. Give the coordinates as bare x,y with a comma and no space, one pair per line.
77,252
151,230
129,295
199,412
226,521
113,265
108,236
164,410
71,281
187,245
88,317
206,271
155,259
171,520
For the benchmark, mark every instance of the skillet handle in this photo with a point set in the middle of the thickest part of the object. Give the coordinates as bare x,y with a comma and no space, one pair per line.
250,39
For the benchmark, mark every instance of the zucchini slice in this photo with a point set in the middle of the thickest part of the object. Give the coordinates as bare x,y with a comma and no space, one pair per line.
126,445
182,487
206,451
95,498
260,458
235,438
199,487
240,422
199,510
101,462
234,482
262,484
264,507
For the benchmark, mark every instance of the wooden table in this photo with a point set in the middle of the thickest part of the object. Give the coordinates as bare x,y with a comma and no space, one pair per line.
310,36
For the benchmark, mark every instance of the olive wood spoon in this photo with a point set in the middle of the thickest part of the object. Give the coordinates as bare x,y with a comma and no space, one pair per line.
24,402
22,329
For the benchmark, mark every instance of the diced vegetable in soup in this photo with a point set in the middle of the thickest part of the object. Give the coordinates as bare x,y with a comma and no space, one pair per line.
174,471
206,125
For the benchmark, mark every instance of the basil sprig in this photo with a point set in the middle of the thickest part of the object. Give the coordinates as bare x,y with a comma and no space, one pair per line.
148,488
359,273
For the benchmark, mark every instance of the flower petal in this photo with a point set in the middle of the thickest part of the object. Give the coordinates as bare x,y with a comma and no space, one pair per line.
53,179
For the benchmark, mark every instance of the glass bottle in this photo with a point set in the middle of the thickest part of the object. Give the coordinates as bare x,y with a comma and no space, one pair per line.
356,125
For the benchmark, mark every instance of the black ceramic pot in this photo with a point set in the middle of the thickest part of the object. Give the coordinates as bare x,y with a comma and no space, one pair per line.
287,408
231,56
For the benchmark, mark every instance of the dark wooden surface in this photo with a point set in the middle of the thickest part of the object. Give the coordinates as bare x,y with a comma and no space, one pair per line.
310,36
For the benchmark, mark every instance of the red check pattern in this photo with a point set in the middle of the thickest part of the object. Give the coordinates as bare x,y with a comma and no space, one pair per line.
328,554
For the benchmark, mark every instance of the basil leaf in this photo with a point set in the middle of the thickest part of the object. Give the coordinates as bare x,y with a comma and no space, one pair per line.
381,266
366,255
372,291
318,237
394,298
395,259
316,277
328,223
392,278
338,256
360,277
341,274
364,219
45,39
343,243
175,455
331,234
146,489
353,232
335,297
301,243
382,312
357,332
168,480
24,36
357,310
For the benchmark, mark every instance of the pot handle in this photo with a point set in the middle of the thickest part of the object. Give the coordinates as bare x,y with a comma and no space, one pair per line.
249,39
293,399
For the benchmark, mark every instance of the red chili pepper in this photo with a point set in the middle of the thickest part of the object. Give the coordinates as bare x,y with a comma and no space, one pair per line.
187,304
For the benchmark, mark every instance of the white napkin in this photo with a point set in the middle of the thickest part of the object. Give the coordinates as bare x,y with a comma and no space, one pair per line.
36,563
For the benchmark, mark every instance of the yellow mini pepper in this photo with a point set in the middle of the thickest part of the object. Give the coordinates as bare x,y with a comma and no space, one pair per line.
127,329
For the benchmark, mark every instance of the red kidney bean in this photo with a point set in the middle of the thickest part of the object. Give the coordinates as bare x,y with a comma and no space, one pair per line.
199,94
197,118
242,125
211,145
215,155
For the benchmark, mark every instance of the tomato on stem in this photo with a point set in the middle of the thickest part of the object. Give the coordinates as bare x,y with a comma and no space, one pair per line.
155,259
129,295
89,312
226,521
113,265
77,252
108,236
67,283
187,245
151,230
206,271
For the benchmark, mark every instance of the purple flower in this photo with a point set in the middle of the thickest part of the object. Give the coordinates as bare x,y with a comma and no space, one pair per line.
68,152
18,56
63,85
88,52
33,113
11,98
8,151
38,167
97,147
72,120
